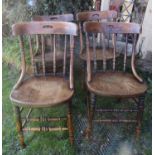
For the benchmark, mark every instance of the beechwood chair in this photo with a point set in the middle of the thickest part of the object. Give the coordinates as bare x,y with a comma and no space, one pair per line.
48,41
44,90
114,82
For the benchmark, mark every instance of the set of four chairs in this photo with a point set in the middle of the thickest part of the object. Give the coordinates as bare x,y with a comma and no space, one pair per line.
49,80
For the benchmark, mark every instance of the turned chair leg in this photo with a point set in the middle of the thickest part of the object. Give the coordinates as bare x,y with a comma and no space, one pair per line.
70,123
140,106
88,115
83,74
19,126
91,101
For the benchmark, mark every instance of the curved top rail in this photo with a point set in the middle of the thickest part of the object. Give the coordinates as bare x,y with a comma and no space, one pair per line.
63,17
96,15
45,27
112,27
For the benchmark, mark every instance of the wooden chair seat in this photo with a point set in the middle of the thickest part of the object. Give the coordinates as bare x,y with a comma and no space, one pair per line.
116,84
49,56
42,92
99,54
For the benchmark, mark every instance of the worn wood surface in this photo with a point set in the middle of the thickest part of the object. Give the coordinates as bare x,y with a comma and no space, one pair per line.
45,27
96,15
116,84
42,92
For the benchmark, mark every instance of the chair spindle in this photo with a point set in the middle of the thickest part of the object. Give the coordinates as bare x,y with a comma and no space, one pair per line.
103,51
125,54
31,53
64,65
94,52
81,38
43,53
54,55
88,59
51,40
37,43
114,51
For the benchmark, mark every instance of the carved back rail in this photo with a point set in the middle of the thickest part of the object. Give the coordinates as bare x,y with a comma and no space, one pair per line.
114,28
63,17
93,16
27,33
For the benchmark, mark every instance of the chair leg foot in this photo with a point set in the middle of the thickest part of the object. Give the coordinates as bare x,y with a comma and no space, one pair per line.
70,124
140,107
19,127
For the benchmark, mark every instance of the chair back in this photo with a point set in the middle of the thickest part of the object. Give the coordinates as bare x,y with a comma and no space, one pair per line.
93,16
27,33
128,30
62,17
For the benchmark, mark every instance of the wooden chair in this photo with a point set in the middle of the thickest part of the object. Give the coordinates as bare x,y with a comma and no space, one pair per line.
42,90
114,82
95,16
48,40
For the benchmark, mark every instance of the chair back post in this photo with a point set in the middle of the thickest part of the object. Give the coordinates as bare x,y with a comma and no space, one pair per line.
23,62
133,59
113,28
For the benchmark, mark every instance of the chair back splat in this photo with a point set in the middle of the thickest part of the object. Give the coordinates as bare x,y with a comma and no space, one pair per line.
61,34
127,30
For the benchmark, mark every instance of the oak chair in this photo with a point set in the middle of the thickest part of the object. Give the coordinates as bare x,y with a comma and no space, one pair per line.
95,16
48,41
44,90
116,81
